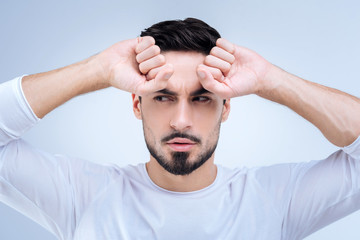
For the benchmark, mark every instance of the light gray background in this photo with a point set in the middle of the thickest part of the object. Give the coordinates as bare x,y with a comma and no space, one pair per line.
317,40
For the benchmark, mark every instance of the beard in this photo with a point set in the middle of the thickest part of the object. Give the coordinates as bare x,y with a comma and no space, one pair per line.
179,163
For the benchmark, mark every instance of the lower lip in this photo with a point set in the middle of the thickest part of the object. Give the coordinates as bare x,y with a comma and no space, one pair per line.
181,147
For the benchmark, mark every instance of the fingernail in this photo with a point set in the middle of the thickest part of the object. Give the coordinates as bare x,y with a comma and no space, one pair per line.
167,76
201,74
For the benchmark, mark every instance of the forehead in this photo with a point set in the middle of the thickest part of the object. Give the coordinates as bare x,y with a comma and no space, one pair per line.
184,78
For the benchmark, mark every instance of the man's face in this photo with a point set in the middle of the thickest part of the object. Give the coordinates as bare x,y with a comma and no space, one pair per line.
182,122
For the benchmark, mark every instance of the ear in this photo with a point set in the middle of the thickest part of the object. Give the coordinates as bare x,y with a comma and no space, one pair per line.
136,106
226,110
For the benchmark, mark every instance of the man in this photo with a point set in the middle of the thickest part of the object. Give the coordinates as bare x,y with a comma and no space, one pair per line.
182,76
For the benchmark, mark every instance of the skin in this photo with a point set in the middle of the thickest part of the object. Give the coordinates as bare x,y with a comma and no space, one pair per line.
181,111
138,66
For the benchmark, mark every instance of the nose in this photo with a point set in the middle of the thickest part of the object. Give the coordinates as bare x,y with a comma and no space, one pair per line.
181,119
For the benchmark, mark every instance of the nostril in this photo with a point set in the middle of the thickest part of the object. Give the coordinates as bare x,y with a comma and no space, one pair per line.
181,118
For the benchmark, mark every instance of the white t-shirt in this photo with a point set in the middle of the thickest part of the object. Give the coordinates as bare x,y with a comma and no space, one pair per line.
78,199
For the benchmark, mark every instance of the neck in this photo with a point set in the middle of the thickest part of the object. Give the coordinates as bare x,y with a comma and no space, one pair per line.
198,179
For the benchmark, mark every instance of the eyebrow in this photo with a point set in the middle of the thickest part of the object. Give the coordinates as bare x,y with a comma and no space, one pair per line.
167,92
197,92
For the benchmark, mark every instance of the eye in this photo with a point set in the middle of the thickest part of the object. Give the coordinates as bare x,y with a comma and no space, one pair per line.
162,99
202,99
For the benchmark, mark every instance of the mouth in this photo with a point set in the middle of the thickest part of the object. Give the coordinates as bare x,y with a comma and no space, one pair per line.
181,144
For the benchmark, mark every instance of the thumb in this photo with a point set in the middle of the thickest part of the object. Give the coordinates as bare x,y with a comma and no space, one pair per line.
209,83
158,83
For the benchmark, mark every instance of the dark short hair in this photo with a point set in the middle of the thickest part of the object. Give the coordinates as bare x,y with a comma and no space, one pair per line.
190,34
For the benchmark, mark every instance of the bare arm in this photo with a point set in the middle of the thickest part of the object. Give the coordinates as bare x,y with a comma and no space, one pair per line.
335,113
46,91
123,66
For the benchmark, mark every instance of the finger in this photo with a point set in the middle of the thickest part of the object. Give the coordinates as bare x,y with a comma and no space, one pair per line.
151,63
222,54
226,45
148,53
154,71
158,83
215,72
144,43
216,62
210,84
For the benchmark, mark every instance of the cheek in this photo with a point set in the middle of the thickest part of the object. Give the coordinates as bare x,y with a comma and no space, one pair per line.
155,120
207,122
156,116
208,113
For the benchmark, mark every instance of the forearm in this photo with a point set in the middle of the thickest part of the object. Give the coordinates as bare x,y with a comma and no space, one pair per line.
46,91
335,113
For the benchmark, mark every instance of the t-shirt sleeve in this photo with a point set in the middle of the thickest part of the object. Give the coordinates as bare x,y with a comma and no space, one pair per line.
16,115
38,185
53,190
32,182
315,194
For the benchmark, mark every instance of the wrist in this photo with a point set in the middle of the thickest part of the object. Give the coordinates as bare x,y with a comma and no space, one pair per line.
95,74
271,82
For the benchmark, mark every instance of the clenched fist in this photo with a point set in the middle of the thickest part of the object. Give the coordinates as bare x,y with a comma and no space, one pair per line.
135,66
232,71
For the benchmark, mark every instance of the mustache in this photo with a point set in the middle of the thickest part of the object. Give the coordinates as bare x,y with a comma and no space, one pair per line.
181,135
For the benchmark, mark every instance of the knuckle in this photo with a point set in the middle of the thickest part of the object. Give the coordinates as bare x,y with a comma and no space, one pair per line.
232,59
155,49
142,68
232,49
218,73
160,59
213,51
149,40
218,41
200,66
227,67
151,74
138,58
138,49
208,59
